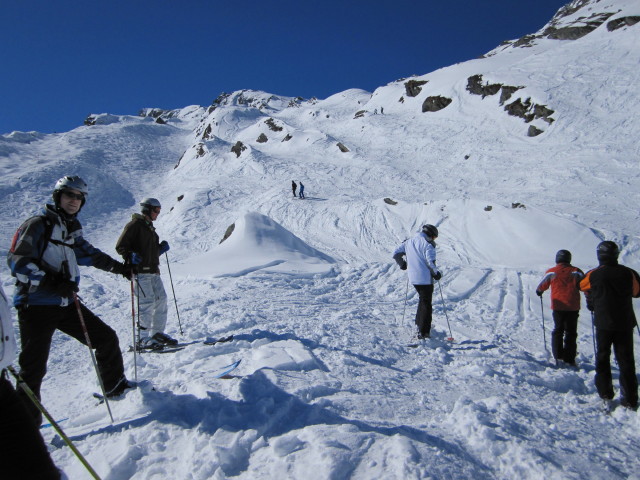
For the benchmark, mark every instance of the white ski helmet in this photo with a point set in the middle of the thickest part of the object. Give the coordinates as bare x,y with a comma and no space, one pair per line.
70,182
148,204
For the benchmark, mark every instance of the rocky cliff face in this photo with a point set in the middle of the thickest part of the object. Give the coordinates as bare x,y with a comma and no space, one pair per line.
575,20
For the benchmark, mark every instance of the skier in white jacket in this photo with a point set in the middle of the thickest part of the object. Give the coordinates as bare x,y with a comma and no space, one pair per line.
420,253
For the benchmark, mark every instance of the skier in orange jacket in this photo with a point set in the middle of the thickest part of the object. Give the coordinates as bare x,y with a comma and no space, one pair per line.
564,280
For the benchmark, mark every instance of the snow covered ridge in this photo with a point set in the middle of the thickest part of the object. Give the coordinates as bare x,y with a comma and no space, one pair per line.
581,17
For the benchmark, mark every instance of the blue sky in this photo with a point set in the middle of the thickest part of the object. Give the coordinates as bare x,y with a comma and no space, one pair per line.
62,60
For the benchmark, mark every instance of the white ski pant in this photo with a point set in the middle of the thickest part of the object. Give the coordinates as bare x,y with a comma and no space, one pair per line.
152,304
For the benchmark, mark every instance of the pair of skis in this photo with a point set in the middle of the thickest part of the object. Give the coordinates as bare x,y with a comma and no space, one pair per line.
180,346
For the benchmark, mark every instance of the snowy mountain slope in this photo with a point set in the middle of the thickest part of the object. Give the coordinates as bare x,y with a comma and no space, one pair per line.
321,316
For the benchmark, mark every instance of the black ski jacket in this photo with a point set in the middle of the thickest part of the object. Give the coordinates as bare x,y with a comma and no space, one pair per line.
609,289
139,236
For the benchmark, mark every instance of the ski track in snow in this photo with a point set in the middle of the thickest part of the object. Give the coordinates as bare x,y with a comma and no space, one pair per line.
444,410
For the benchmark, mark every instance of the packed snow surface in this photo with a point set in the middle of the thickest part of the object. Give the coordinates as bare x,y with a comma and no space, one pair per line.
321,315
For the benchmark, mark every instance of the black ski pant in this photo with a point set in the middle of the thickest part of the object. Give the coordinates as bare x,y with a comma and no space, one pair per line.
23,454
425,309
564,335
37,325
623,349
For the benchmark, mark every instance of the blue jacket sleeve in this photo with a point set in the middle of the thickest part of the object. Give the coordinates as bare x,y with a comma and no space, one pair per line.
88,255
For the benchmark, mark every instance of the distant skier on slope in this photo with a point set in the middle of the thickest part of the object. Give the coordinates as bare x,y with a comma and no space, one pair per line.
23,453
301,195
293,187
45,256
141,248
564,280
609,289
420,252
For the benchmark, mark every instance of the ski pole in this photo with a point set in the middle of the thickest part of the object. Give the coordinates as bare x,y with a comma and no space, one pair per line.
544,333
444,307
140,291
93,357
32,396
593,333
406,294
133,330
174,293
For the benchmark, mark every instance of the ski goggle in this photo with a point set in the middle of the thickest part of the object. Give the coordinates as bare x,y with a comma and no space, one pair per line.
76,196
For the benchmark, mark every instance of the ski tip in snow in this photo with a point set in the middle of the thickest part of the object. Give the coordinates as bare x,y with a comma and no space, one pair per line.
213,341
225,371
48,425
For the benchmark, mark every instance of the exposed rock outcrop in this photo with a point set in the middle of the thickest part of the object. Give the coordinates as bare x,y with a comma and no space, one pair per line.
622,22
534,131
158,113
507,92
529,111
578,29
414,87
476,87
228,232
436,103
238,148
270,122
200,150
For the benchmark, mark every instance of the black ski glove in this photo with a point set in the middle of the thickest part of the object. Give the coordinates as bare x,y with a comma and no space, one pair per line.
56,283
437,275
539,293
399,258
122,269
67,288
164,247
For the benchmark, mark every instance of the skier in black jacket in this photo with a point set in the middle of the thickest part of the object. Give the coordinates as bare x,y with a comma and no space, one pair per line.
140,246
44,257
609,289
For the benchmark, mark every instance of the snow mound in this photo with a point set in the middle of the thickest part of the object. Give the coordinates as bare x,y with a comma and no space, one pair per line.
258,243
479,234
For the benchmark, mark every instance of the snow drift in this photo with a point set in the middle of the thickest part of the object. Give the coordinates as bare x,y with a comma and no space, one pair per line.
257,243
